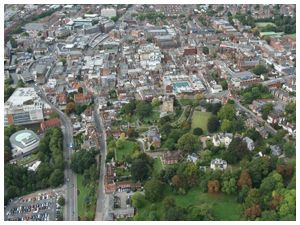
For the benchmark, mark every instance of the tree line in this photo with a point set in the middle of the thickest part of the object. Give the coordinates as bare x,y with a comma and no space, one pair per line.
19,180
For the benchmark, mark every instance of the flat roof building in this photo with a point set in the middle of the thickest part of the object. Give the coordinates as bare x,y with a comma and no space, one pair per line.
24,106
108,12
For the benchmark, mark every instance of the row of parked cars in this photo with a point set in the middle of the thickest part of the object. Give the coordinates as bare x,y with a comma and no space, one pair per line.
34,217
37,198
35,208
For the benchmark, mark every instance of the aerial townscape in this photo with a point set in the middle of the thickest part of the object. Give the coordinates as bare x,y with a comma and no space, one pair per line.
149,112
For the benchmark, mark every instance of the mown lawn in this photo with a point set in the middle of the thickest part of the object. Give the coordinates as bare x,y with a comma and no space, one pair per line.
200,119
157,167
264,24
127,149
85,213
187,101
225,208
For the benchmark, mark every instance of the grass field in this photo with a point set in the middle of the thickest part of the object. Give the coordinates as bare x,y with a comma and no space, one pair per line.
85,213
271,34
200,119
186,101
157,167
262,24
127,149
225,208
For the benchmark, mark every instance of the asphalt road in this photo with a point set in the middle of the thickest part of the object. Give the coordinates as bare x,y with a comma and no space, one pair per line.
102,198
71,213
255,117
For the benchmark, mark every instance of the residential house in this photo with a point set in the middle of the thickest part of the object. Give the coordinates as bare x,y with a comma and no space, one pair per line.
192,158
124,186
171,157
222,138
249,142
256,107
109,184
275,150
273,118
251,123
87,114
262,131
283,95
62,100
153,137
81,98
290,128
218,164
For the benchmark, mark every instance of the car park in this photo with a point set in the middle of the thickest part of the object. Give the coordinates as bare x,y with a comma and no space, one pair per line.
41,207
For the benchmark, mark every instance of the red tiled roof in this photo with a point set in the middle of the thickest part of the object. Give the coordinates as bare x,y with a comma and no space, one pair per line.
110,188
62,98
80,97
50,123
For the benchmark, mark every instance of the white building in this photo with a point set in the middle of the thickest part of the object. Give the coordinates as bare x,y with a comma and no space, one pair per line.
149,56
275,150
216,88
218,164
192,158
34,166
222,138
52,83
108,12
24,106
249,142
23,142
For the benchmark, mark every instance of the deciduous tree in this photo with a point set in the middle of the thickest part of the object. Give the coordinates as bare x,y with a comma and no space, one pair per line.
244,180
138,200
229,186
188,143
153,190
253,212
213,186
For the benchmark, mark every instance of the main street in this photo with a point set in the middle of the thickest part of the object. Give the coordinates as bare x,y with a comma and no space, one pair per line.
71,181
102,199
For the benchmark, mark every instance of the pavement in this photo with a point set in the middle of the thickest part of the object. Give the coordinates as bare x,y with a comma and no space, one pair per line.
71,213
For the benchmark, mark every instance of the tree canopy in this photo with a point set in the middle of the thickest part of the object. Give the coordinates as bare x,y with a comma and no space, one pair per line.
153,190
188,143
